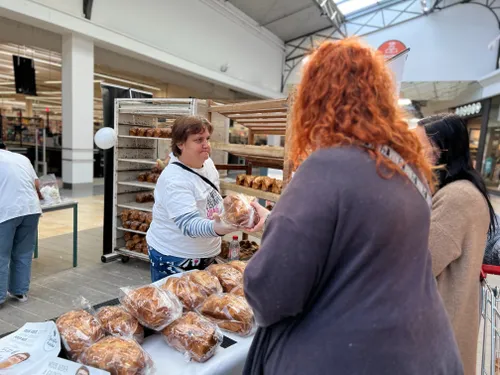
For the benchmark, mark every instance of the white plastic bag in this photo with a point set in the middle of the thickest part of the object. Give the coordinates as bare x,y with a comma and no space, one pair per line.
239,212
49,190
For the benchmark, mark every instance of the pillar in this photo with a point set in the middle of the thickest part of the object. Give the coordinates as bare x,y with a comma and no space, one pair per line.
77,112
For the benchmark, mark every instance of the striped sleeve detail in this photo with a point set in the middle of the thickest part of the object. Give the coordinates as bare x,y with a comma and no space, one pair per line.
193,225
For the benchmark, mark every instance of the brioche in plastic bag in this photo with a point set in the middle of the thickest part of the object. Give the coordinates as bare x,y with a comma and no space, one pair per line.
230,312
193,335
190,294
78,330
228,276
116,321
152,306
238,265
239,212
208,283
119,356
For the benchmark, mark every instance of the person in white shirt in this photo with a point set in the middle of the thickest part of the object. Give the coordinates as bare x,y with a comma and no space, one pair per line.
19,213
186,230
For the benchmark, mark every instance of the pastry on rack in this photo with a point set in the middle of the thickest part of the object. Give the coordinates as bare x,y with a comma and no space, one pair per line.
117,321
248,180
157,132
267,183
153,307
166,133
193,335
141,132
143,227
142,177
149,218
127,236
134,215
127,224
130,245
239,212
240,179
150,132
134,225
208,283
125,215
228,276
277,187
190,294
78,330
133,131
229,312
118,356
238,265
144,197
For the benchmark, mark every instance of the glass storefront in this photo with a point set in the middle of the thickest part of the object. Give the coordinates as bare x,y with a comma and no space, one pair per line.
491,157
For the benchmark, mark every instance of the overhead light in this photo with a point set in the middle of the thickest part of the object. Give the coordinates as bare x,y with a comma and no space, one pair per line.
43,98
126,81
48,92
59,82
5,76
404,102
36,59
6,83
7,92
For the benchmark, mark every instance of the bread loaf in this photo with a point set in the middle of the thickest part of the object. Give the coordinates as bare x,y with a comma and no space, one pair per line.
230,312
117,321
228,276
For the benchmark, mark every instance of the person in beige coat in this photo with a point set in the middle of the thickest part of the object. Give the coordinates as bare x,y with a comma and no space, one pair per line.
461,217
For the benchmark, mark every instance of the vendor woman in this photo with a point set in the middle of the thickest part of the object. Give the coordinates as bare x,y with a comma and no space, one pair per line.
186,230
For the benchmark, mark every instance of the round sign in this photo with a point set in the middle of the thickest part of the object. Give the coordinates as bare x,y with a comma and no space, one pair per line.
391,48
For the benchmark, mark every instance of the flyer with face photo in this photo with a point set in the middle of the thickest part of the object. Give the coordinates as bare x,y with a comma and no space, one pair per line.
59,366
24,351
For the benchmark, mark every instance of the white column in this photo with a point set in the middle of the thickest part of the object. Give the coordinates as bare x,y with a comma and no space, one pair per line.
77,111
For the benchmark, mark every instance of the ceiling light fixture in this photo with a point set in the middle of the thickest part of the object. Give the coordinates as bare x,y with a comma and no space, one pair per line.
126,81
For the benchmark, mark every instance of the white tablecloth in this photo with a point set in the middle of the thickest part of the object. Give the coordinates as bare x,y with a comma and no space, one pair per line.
229,361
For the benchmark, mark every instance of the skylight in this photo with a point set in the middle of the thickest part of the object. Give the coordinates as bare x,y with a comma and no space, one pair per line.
348,7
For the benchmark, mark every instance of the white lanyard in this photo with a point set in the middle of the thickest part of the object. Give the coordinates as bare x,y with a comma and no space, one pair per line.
393,156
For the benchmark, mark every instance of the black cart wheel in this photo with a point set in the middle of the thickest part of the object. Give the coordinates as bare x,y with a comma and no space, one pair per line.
125,259
103,259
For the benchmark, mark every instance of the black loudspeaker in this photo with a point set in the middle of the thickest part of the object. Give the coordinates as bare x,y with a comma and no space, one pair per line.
24,75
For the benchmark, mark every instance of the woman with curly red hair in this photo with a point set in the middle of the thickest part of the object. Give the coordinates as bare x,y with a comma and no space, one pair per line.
343,281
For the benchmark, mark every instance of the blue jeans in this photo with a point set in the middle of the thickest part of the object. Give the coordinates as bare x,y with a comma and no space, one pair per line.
17,243
166,265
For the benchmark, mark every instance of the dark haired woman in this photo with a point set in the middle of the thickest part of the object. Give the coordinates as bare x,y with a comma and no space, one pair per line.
462,216
343,283
185,232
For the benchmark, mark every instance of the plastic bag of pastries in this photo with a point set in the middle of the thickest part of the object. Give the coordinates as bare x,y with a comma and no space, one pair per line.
117,321
78,330
152,306
238,291
228,276
277,187
194,336
240,179
190,294
118,356
239,212
208,283
238,264
248,180
230,312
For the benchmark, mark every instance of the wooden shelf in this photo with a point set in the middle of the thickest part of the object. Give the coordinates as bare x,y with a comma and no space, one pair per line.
260,106
146,138
268,152
132,254
147,207
231,186
131,230
139,161
145,185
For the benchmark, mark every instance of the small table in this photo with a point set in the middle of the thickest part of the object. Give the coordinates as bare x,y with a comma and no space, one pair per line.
63,206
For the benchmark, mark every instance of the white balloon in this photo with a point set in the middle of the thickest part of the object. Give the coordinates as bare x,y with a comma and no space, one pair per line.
105,138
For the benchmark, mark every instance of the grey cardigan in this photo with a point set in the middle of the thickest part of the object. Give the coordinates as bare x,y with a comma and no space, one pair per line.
343,281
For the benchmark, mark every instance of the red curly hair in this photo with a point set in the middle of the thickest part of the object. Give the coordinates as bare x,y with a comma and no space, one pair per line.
347,97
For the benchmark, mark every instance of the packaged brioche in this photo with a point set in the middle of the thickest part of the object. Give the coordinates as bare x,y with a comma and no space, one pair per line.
238,265
152,306
190,294
208,283
239,212
228,276
117,321
194,336
230,312
119,356
239,291
79,330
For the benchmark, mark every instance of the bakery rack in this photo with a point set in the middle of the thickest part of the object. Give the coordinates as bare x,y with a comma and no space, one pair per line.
135,154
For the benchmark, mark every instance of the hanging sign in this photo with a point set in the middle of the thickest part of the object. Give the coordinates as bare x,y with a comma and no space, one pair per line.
391,48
